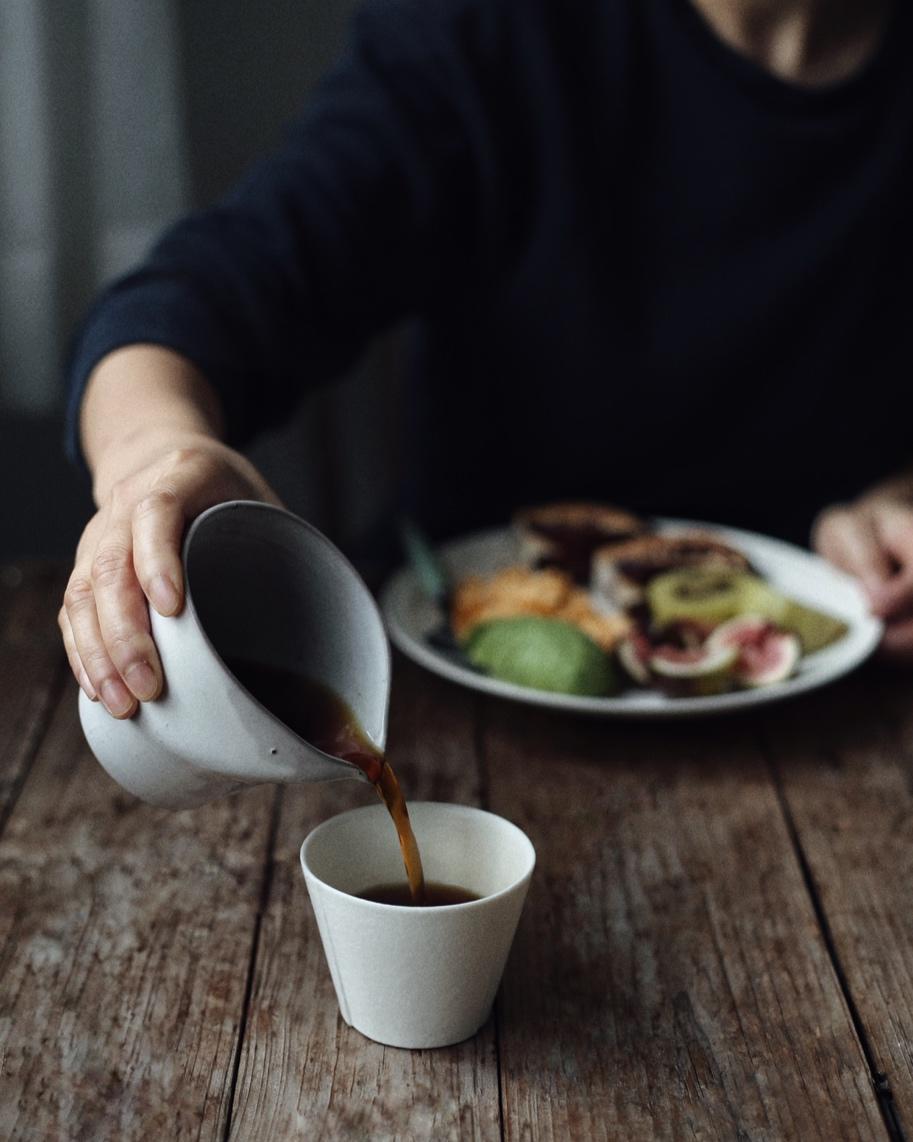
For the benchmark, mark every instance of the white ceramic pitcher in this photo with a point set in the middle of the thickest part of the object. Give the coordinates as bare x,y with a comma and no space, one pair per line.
266,587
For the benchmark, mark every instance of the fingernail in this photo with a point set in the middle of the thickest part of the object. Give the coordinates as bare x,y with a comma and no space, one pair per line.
87,686
141,679
117,698
165,596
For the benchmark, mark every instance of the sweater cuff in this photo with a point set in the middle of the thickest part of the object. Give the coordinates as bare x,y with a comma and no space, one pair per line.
152,313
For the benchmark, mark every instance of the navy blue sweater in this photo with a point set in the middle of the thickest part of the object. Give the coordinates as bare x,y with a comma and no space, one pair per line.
640,268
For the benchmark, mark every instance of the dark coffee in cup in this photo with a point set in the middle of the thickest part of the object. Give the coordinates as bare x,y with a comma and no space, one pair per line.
436,894
319,716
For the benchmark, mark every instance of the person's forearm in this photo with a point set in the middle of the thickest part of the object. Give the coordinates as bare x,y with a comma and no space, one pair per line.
141,400
151,430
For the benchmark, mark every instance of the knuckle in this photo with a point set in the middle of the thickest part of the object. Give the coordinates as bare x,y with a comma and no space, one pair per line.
110,565
97,663
183,455
119,496
120,655
186,456
127,642
161,499
123,645
78,592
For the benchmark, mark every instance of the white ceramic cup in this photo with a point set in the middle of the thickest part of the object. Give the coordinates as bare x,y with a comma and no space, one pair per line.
417,977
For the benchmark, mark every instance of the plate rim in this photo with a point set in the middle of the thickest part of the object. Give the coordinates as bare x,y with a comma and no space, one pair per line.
652,705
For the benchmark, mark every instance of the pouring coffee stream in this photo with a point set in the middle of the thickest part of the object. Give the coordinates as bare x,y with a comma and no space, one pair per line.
322,718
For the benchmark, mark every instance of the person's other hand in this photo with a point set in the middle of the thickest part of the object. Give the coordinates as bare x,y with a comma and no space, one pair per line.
873,540
130,552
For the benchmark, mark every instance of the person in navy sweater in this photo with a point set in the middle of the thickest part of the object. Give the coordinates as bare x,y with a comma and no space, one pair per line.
657,252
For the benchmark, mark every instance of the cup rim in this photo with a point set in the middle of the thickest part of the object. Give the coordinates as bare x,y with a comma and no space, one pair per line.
450,806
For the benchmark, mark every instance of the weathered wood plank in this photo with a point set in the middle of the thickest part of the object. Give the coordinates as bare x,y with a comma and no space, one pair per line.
125,942
304,1073
31,665
845,763
669,979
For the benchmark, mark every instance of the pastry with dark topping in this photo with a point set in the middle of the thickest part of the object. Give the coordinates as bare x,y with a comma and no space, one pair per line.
622,571
566,534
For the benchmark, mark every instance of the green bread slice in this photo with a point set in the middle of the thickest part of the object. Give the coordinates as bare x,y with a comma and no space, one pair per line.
545,654
815,629
711,596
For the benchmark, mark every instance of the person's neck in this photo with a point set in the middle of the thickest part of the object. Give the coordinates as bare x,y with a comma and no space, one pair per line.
809,42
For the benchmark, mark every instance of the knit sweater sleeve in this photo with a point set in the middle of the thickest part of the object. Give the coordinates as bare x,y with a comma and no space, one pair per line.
367,213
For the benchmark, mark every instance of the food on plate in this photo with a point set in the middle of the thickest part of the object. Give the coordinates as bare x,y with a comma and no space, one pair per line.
709,611
707,597
510,592
622,572
815,629
606,630
765,653
634,653
566,534
544,653
748,651
692,672
517,591
683,612
704,599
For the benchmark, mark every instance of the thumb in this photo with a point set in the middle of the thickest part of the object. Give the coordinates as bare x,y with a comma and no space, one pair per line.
849,539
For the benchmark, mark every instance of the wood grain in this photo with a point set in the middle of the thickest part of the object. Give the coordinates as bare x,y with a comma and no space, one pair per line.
669,979
672,977
125,939
31,669
305,1073
844,760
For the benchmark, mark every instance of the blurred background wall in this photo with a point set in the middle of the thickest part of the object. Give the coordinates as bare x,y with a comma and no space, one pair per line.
116,116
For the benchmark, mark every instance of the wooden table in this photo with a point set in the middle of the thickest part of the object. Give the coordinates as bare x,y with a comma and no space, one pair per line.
718,942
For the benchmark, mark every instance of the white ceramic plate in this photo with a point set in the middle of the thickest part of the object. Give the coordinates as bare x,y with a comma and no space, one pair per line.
411,616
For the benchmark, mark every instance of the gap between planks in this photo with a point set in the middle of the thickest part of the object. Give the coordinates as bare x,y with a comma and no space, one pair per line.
265,887
850,770
880,1081
36,737
33,672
